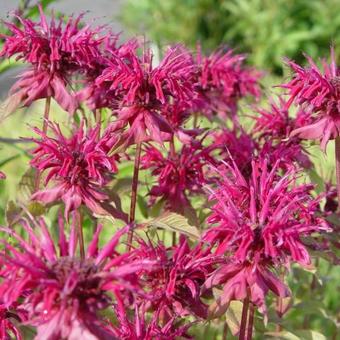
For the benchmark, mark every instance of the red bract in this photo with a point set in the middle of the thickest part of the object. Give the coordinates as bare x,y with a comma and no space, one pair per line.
62,293
259,223
319,92
55,51
144,89
79,167
223,81
179,174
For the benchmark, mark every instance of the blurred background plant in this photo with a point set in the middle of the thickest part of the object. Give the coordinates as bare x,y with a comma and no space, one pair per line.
266,29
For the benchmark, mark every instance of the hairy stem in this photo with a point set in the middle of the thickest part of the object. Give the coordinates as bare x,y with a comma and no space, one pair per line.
337,164
98,116
243,327
250,321
44,129
46,114
134,192
80,234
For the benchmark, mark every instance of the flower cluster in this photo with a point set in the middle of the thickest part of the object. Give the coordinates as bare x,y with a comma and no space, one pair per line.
259,221
79,166
234,192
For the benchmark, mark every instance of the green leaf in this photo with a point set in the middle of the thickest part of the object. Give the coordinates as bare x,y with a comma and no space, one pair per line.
143,207
233,316
310,335
36,208
7,160
176,223
26,185
282,335
13,213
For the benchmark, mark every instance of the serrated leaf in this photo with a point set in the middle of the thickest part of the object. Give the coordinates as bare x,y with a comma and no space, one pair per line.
233,316
174,222
26,185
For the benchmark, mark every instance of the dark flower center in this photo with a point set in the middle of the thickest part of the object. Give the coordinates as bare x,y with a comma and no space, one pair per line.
80,280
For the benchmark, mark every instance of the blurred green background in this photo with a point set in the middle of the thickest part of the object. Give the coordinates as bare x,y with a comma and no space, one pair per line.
268,31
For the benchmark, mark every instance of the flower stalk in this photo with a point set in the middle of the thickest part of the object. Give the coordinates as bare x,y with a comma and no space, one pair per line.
44,130
134,192
250,321
243,327
78,221
337,165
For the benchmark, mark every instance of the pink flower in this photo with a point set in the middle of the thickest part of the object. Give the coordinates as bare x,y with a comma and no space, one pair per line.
274,126
9,319
62,293
79,167
179,174
144,89
235,146
176,280
135,325
318,92
2,175
223,81
55,52
259,223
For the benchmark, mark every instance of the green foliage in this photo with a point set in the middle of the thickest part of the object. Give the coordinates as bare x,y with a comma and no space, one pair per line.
266,29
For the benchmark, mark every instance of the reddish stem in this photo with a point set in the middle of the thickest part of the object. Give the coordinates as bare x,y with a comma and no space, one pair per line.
98,116
250,321
44,129
173,155
134,193
78,221
337,164
46,114
243,326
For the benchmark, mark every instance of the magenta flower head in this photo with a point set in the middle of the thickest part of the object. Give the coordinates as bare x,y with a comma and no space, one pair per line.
78,166
223,80
318,92
176,280
144,89
62,293
273,128
10,317
56,52
235,145
179,174
258,223
134,325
